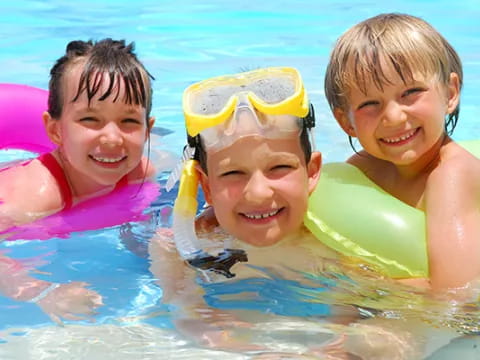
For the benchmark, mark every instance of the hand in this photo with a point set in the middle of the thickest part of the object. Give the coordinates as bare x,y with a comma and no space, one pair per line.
71,301
206,222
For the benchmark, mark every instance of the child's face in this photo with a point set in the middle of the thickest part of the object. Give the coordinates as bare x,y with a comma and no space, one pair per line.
101,141
402,122
259,188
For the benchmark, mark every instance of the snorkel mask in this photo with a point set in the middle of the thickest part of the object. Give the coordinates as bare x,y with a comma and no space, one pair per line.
270,103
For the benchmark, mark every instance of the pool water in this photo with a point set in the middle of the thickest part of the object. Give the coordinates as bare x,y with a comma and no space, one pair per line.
182,42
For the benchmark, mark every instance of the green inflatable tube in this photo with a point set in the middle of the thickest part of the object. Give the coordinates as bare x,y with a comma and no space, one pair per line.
354,216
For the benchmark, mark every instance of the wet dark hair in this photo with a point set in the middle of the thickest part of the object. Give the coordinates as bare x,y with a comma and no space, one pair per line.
307,123
105,60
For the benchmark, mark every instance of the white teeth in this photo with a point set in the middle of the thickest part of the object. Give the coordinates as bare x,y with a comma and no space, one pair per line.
107,160
400,138
262,216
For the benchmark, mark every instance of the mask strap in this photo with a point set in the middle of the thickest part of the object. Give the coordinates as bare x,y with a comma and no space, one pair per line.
188,153
309,124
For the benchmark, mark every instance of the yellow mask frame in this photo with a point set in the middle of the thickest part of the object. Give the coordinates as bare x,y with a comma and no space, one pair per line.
295,104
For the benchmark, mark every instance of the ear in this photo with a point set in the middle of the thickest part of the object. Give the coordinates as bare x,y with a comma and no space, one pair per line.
150,122
53,128
313,170
344,121
453,94
203,179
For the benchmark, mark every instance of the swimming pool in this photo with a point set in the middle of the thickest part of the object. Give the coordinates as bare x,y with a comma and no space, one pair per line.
181,42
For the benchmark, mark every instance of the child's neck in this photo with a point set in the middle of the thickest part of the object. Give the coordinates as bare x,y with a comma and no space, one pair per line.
81,190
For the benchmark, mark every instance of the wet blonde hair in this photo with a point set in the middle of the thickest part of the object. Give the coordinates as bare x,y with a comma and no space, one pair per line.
406,43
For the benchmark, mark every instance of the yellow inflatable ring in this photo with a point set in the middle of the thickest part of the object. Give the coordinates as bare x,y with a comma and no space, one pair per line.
354,216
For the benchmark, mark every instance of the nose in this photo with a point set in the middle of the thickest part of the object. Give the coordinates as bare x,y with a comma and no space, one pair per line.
245,120
393,114
111,135
258,189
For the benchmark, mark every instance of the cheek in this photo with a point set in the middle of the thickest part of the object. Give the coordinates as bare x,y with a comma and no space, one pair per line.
224,193
137,139
363,121
73,143
227,189
295,188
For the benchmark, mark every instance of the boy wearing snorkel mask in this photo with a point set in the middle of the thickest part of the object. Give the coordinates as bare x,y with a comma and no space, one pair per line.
256,168
249,147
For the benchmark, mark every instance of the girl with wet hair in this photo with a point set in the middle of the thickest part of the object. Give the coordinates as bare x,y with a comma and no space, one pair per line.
100,98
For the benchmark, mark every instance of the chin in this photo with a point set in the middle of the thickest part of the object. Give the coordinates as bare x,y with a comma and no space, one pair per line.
109,181
261,240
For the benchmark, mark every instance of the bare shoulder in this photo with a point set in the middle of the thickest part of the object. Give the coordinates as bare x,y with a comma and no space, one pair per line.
457,176
454,151
29,191
457,163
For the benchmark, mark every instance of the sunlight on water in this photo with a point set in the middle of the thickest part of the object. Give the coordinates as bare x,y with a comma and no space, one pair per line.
283,313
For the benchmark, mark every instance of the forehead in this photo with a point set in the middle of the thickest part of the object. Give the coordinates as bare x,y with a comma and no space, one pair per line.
98,82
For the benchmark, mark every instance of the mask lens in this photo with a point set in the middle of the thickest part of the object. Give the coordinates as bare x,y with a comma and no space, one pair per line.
271,88
212,100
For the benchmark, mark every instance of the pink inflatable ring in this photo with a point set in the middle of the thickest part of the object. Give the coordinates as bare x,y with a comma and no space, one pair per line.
21,127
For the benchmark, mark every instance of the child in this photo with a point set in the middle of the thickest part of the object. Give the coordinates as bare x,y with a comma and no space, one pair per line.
99,116
99,105
250,134
394,83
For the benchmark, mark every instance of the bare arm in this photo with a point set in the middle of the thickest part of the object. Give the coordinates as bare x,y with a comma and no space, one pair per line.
28,192
453,222
72,301
15,282
171,272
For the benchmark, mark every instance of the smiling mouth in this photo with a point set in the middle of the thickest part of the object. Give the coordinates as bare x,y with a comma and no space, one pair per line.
260,216
400,139
108,160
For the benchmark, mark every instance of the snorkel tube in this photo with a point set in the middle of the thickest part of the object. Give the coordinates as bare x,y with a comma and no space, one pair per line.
184,212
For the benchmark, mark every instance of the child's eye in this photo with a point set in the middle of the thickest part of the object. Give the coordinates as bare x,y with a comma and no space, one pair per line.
367,103
231,173
88,119
131,121
412,91
282,167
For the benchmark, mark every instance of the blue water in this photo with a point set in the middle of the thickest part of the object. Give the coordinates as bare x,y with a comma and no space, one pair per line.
182,42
